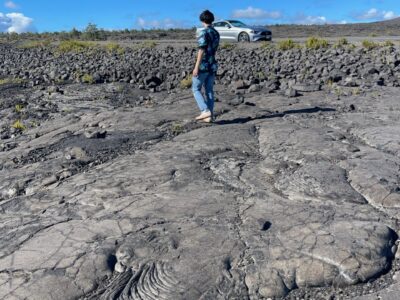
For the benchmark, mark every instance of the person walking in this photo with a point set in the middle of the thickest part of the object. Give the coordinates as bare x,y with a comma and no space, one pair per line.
206,68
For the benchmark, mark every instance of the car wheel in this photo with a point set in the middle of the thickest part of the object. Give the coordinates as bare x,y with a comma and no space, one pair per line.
244,37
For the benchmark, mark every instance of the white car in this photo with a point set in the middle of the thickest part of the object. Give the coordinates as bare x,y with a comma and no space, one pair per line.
236,31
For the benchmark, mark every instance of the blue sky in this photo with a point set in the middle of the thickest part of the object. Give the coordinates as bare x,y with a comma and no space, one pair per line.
53,15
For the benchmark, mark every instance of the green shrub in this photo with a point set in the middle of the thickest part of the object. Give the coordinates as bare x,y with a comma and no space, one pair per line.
186,83
316,43
87,79
74,46
369,45
18,125
287,45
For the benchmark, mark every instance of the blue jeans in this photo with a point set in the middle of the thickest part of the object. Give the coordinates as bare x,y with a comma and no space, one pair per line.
207,80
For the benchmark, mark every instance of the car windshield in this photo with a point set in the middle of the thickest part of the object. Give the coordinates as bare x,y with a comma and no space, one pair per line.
238,24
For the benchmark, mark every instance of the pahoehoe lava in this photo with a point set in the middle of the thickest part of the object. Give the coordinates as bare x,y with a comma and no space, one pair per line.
112,190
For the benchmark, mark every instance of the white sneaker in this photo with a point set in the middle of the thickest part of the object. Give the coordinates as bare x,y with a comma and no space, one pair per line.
204,115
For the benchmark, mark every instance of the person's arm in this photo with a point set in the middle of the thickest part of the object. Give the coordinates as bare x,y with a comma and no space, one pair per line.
198,61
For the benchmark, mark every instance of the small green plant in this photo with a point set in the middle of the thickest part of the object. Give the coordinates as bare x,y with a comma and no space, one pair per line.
287,45
227,46
74,46
86,78
373,34
369,45
19,125
18,108
176,128
115,48
267,45
316,43
187,82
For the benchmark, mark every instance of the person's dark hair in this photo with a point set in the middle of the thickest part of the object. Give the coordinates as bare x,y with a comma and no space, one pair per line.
207,17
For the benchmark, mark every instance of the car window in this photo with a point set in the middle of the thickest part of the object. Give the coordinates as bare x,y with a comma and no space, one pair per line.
220,24
238,24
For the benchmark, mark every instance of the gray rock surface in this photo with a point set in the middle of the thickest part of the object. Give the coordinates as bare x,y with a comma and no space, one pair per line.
279,198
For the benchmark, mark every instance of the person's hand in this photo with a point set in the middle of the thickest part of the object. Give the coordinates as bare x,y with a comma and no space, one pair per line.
195,72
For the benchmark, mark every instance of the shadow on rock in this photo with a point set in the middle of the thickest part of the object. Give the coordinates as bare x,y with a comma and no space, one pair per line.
275,115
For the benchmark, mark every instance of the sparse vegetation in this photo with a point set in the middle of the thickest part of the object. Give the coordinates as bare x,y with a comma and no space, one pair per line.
267,45
369,45
261,75
114,48
227,46
356,91
388,44
338,91
176,128
86,78
19,108
287,45
74,46
19,125
342,42
316,43
147,45
186,83
330,83
11,81
36,44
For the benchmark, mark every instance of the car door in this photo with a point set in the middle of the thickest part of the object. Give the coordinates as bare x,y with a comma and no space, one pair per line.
231,32
224,30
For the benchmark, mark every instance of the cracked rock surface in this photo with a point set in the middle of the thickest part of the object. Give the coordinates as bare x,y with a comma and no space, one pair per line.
280,198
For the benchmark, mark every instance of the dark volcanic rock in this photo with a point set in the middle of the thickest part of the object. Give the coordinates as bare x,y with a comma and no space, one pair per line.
163,68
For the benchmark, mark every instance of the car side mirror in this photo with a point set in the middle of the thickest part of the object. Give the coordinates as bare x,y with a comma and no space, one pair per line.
228,26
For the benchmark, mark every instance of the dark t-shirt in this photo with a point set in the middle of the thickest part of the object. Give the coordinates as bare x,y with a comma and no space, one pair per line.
209,41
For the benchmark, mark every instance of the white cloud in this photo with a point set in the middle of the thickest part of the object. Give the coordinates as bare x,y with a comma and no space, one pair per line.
255,13
375,14
10,4
160,24
388,15
310,20
15,22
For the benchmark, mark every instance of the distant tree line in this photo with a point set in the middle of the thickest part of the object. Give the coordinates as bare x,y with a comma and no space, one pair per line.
93,33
